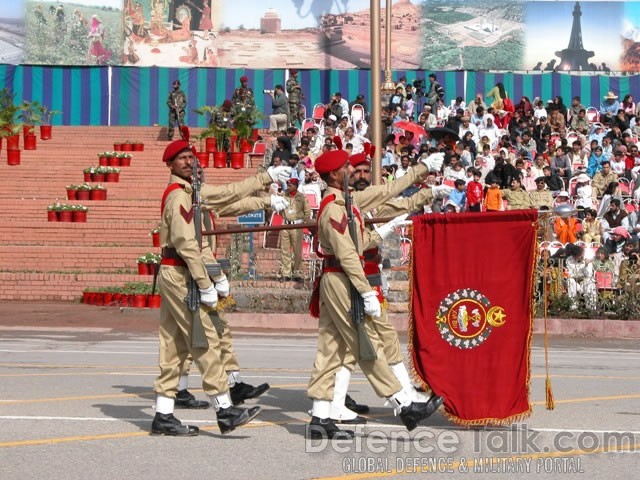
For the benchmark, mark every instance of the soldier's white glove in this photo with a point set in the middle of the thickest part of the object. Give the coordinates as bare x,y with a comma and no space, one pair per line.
372,304
273,189
434,161
280,174
209,296
387,229
441,191
222,286
278,203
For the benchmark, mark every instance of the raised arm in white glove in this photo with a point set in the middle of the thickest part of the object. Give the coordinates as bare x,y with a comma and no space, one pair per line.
372,304
387,229
441,191
278,203
281,173
434,161
209,296
221,285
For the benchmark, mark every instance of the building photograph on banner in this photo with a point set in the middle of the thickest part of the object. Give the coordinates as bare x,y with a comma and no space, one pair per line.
472,35
77,32
12,37
574,36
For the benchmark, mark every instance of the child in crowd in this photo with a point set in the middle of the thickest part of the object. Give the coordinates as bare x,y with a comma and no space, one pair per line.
493,197
475,191
459,194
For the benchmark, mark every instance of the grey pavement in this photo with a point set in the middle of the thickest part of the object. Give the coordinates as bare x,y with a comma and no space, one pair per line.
77,403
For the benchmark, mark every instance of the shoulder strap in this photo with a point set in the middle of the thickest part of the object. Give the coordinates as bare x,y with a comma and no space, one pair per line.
170,188
325,201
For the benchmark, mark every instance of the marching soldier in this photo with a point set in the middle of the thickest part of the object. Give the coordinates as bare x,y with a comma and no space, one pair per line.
297,211
294,91
182,259
243,98
343,408
177,103
343,274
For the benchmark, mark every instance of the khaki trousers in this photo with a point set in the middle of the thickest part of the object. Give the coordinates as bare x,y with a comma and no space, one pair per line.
290,239
390,341
337,337
175,339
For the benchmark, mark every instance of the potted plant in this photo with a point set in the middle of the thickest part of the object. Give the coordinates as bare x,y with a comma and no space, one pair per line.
114,160
46,115
8,127
155,236
207,134
31,115
99,174
88,173
143,267
138,146
98,192
83,191
203,153
103,158
222,136
65,214
127,146
72,191
112,174
125,159
52,212
79,213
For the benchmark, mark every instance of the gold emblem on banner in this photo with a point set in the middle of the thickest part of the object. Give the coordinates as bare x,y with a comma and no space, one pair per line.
465,318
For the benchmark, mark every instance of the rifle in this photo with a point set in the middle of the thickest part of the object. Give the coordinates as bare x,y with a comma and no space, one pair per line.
365,347
198,336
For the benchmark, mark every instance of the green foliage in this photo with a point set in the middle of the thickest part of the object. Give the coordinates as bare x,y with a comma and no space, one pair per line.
448,16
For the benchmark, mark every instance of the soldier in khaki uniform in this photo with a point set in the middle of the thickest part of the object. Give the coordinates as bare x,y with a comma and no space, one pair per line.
182,259
517,196
343,408
603,178
297,211
541,198
342,268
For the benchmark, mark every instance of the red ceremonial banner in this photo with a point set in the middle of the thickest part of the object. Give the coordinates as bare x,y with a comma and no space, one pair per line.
471,312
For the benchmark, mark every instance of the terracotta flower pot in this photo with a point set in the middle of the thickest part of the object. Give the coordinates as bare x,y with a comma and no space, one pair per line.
203,159
210,145
65,216
97,177
45,132
143,269
155,238
13,142
125,162
112,177
72,194
237,160
220,160
154,301
79,217
30,142
83,195
52,216
13,157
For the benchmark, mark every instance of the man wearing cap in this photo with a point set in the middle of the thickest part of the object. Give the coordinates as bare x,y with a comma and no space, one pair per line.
243,98
541,198
182,259
223,117
342,268
517,196
279,119
294,91
343,408
177,103
297,211
609,107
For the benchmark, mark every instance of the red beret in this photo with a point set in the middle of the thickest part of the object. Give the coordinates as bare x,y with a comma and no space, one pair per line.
359,159
174,148
244,78
331,160
293,71
293,181
227,104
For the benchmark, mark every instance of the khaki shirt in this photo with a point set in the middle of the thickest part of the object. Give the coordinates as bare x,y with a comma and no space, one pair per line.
541,198
176,226
298,209
518,199
601,181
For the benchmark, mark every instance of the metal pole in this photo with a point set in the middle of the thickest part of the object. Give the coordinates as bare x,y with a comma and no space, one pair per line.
375,123
388,81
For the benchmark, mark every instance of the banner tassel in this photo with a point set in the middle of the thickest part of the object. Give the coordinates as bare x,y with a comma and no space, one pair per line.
549,403
549,395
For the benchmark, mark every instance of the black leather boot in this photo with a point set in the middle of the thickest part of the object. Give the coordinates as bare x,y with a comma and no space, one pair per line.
320,428
167,424
231,418
412,414
243,391
351,404
185,399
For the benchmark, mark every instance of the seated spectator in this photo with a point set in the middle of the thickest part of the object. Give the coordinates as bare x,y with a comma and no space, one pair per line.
591,227
621,121
609,107
577,157
538,165
451,207
602,262
595,161
541,198
455,169
479,119
603,179
557,122
560,165
554,182
612,191
517,197
629,274
574,109
584,193
491,131
566,229
580,122
580,280
615,217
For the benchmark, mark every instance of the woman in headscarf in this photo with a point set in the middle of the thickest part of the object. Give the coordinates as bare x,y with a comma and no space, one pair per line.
97,49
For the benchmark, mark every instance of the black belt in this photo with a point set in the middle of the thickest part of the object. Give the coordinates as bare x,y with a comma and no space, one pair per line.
168,252
332,264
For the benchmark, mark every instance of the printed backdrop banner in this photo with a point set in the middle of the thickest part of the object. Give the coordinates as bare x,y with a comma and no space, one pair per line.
472,312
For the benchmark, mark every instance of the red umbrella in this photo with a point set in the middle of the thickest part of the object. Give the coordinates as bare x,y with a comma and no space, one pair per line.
410,127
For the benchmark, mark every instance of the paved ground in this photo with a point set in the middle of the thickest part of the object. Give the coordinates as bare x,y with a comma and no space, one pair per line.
76,403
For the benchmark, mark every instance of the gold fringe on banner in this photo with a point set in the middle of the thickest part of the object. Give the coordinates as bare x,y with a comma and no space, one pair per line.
549,403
